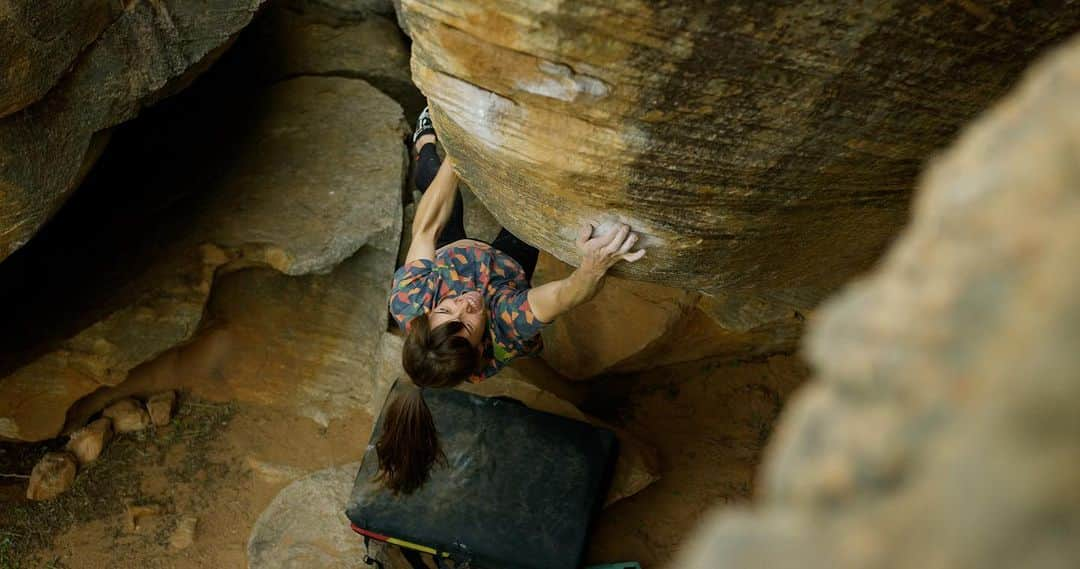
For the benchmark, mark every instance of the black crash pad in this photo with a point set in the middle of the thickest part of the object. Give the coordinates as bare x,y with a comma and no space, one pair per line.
518,491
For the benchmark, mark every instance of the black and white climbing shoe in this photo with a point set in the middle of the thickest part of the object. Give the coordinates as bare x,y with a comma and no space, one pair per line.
423,125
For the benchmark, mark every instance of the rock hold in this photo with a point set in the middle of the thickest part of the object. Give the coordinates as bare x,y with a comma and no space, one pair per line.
52,476
88,442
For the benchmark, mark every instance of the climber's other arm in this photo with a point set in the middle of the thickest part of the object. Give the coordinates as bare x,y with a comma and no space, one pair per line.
432,213
598,254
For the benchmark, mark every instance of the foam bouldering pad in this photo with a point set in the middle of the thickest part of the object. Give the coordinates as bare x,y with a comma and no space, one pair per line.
519,488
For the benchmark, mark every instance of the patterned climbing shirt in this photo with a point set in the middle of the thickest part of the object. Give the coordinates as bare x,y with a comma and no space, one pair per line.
513,331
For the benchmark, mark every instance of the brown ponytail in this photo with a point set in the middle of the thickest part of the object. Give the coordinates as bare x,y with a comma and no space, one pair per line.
409,445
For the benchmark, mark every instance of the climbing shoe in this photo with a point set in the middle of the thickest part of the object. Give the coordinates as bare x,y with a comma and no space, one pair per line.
423,125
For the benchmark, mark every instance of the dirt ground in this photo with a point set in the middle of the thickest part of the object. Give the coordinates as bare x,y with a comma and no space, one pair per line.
219,462
223,462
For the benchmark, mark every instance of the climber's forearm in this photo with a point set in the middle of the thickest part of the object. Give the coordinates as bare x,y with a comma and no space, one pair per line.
550,300
433,213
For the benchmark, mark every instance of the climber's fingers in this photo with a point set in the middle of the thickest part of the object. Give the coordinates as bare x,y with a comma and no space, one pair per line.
584,234
631,239
631,257
615,239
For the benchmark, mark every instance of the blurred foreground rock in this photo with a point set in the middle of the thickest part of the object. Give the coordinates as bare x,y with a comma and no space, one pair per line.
759,148
87,66
52,476
942,429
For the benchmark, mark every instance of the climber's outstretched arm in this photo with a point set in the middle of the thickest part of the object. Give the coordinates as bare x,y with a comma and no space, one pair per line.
598,254
432,213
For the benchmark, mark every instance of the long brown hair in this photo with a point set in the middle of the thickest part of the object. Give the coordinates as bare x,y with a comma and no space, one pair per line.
409,445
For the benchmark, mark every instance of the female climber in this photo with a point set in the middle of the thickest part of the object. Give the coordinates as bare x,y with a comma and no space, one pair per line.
467,307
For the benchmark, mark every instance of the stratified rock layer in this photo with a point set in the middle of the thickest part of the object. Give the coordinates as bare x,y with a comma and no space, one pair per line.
942,430
754,145
132,57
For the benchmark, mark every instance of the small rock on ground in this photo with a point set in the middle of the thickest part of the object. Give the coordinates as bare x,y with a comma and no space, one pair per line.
88,442
305,525
128,415
52,475
160,407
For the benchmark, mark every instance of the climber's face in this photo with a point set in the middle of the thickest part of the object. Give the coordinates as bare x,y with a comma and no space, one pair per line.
466,308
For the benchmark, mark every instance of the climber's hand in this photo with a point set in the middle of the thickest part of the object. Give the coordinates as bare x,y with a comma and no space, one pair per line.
600,253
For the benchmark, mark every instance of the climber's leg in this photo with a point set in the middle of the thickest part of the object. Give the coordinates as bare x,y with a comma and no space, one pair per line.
427,166
519,250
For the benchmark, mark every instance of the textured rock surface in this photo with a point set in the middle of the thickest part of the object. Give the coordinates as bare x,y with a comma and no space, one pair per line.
88,442
710,421
631,325
44,148
52,475
754,145
40,40
320,37
305,525
942,429
315,175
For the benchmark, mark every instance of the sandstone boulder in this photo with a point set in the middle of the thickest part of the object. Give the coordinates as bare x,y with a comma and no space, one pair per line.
305,525
52,476
316,173
631,326
127,415
100,62
942,428
160,407
88,442
315,38
755,147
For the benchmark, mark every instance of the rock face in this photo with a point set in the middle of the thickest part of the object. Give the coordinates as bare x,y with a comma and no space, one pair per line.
631,325
315,174
40,40
334,38
755,146
942,429
100,62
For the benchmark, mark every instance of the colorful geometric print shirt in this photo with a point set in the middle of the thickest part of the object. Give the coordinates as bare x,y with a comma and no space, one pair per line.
463,266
